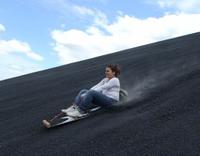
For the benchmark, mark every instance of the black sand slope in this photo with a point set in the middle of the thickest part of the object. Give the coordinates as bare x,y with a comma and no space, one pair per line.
161,117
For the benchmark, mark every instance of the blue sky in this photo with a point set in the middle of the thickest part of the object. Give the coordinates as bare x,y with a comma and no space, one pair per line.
41,34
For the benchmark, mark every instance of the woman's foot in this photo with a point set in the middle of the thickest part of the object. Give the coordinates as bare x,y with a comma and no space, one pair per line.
71,108
76,112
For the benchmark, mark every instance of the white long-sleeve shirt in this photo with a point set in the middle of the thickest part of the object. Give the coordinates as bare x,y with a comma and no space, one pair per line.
108,87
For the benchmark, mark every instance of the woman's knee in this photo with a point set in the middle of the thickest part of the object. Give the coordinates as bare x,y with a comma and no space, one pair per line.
83,91
92,92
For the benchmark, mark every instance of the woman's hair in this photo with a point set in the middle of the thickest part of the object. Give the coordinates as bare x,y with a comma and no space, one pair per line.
115,68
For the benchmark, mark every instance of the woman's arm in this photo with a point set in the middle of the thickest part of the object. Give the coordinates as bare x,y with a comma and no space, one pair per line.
114,82
111,83
99,84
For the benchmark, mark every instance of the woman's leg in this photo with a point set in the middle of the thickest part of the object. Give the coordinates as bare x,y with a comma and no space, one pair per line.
76,101
80,95
94,98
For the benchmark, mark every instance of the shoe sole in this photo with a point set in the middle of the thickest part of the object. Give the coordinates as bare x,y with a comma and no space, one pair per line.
78,117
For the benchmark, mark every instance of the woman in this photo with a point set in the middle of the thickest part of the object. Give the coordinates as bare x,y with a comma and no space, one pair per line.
105,93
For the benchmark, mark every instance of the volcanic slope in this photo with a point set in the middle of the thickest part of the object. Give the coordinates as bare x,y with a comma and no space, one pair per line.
161,116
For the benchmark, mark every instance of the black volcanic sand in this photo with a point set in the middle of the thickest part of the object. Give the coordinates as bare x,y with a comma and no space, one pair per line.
161,117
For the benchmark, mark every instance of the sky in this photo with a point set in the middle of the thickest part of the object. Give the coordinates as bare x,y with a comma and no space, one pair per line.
40,34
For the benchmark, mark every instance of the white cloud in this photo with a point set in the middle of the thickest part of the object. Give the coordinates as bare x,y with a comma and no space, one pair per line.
61,6
189,6
13,65
2,28
68,9
125,32
83,10
99,17
15,46
12,60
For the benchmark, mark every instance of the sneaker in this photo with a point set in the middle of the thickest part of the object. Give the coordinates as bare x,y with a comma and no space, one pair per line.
71,108
76,112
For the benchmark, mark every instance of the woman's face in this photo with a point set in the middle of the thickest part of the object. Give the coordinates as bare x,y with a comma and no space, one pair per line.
109,73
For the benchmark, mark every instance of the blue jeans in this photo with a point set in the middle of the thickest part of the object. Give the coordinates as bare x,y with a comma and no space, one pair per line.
87,99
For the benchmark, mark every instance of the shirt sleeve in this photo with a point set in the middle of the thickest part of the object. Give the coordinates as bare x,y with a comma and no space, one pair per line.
105,86
98,85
